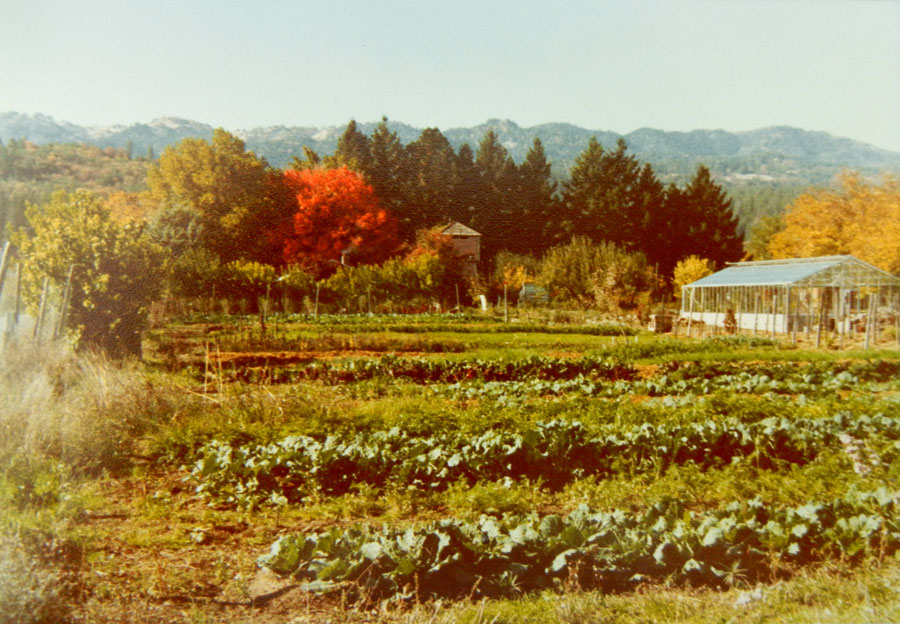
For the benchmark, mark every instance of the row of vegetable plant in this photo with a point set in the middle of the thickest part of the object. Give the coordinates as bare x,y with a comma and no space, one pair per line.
430,371
813,379
555,452
608,550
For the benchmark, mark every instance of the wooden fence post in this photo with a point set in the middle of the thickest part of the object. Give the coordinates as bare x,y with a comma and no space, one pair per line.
42,309
4,264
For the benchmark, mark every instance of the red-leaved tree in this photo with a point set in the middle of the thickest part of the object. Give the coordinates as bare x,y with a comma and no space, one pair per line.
337,212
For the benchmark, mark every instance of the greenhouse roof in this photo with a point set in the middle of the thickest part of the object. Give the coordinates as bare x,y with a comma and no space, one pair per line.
844,271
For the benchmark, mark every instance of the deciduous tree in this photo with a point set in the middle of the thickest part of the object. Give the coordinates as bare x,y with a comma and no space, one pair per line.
689,270
235,194
336,212
116,271
862,219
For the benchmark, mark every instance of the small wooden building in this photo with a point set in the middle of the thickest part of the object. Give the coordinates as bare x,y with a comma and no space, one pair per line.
836,293
467,243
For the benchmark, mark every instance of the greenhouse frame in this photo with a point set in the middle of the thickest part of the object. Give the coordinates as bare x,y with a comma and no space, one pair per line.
832,293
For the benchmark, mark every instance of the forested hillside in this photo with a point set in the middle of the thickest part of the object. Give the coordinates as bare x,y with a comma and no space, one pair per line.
30,173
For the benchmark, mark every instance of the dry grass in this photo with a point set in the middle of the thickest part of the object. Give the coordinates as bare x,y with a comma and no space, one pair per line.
81,410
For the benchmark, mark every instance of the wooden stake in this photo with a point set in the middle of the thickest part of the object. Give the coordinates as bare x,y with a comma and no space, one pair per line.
42,309
4,264
18,294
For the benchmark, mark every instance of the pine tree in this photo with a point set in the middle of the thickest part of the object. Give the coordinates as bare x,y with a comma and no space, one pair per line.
353,151
534,205
577,200
466,195
612,197
388,174
497,188
709,227
657,227
433,183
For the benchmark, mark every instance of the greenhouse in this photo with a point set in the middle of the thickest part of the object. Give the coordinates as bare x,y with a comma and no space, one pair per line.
830,293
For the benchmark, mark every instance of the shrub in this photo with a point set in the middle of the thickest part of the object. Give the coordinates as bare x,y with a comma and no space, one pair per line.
116,271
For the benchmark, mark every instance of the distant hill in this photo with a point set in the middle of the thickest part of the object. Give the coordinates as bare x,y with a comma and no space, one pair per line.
778,154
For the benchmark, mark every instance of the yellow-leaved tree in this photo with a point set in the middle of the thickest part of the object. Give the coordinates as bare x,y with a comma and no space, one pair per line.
689,270
861,219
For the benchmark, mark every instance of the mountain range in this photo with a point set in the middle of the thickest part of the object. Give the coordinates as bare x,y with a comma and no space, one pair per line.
779,153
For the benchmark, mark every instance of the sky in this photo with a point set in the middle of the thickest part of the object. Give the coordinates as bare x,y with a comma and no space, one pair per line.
735,65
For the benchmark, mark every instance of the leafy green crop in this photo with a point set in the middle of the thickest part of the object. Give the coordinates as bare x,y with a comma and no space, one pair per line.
555,452
815,379
612,551
427,371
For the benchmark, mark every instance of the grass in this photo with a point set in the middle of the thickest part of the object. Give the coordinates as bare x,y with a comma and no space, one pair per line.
825,594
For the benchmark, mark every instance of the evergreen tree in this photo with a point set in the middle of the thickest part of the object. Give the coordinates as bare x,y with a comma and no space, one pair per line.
658,226
577,200
603,194
611,197
387,172
497,178
709,228
353,151
434,182
617,213
534,205
310,160
467,195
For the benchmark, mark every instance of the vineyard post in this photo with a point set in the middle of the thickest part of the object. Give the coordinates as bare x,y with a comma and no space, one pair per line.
369,299
4,263
41,309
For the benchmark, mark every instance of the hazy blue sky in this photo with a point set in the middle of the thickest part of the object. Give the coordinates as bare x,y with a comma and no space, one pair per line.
674,65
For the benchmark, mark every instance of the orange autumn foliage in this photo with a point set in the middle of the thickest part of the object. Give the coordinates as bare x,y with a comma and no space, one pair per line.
336,211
